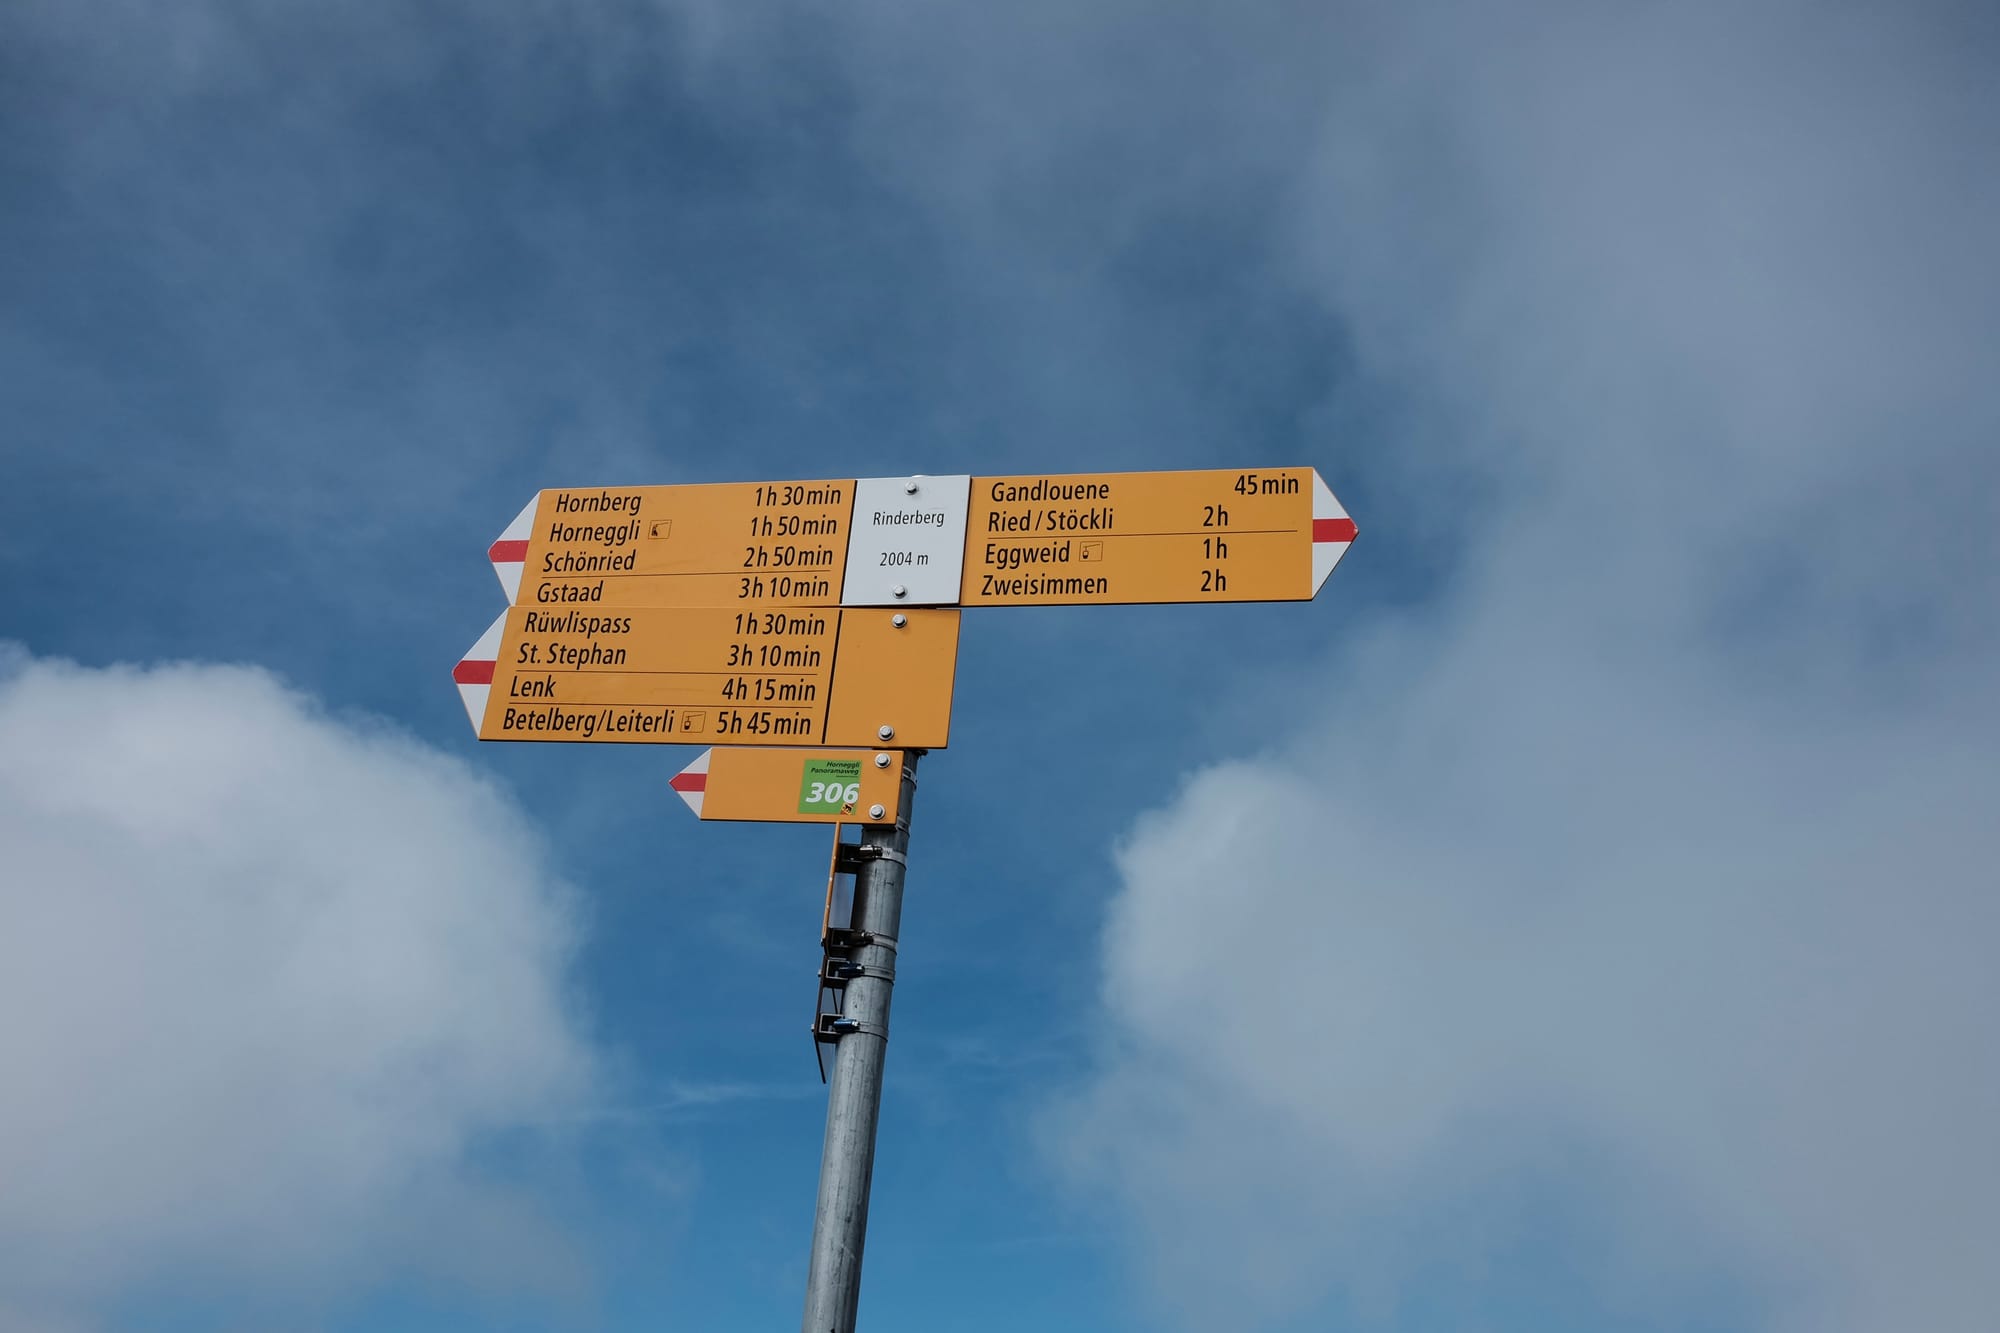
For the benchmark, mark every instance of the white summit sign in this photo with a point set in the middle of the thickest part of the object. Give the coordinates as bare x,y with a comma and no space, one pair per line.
906,544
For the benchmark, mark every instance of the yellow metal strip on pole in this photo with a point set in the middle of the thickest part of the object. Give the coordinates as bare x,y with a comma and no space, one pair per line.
893,678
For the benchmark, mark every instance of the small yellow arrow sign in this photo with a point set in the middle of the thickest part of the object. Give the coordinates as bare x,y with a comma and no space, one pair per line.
773,786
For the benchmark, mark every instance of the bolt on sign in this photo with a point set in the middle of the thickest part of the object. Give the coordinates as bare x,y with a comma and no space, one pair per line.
1125,537
788,786
879,541
695,675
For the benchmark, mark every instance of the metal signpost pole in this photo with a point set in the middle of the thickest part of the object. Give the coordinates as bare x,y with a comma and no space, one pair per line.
854,1097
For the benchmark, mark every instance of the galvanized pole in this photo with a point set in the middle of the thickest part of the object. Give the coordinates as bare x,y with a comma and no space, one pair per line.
854,1099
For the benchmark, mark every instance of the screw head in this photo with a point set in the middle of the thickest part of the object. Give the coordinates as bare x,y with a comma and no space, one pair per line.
876,812
899,620
900,591
885,731
910,488
881,761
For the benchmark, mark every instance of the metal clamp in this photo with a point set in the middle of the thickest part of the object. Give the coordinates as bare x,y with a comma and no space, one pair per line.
836,972
828,1028
838,938
853,856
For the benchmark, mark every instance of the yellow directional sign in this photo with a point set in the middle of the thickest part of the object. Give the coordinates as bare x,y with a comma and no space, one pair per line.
1121,537
1219,536
751,676
774,786
732,544
872,541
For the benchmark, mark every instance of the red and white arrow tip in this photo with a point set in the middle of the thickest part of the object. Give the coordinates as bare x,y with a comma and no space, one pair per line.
509,551
692,781
474,672
1333,533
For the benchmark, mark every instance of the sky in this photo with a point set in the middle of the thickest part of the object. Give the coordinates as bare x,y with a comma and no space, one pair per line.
1580,917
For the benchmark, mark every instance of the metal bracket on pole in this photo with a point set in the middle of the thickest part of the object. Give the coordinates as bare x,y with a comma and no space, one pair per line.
835,972
836,969
852,856
832,1027
839,939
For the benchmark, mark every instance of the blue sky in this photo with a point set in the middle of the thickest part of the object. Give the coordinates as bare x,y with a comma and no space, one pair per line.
1578,918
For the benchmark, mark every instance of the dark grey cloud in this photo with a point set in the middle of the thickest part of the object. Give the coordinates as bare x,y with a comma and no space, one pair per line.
1655,842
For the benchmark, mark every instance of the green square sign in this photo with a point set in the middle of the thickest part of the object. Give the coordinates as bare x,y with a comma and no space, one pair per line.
830,786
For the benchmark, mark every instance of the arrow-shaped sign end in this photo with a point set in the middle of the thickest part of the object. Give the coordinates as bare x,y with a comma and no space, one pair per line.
1333,532
474,673
691,783
509,551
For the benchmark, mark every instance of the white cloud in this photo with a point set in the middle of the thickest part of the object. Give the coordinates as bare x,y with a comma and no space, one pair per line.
267,979
1665,839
